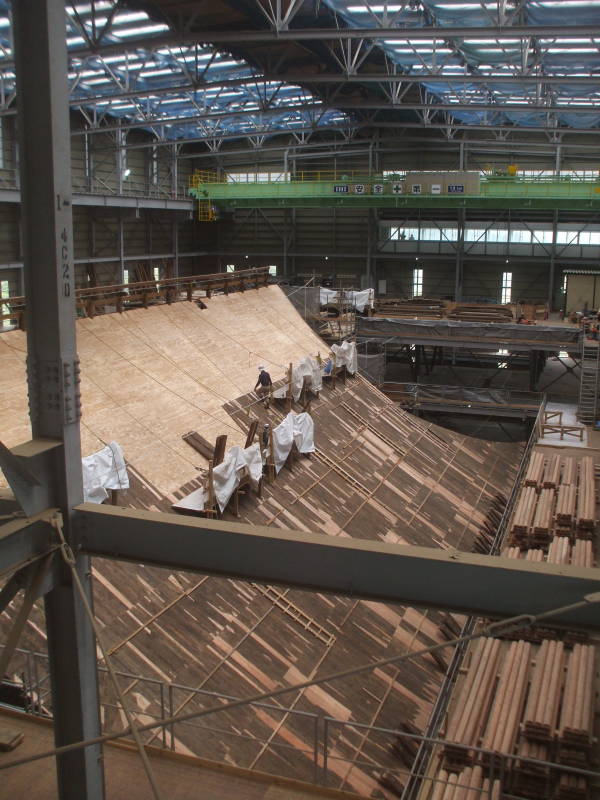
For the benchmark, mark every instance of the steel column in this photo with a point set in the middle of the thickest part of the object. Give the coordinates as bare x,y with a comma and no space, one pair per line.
53,367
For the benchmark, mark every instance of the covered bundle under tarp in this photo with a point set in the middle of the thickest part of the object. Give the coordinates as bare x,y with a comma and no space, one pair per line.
307,368
346,356
104,470
237,464
358,300
295,429
548,336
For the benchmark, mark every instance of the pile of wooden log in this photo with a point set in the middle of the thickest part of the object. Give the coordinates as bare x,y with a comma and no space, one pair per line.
503,724
468,716
530,779
542,519
559,551
575,727
586,498
464,785
418,307
541,713
535,470
568,475
582,554
523,516
572,787
552,472
481,312
566,504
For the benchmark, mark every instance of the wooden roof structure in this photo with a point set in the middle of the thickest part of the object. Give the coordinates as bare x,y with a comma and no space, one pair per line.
148,377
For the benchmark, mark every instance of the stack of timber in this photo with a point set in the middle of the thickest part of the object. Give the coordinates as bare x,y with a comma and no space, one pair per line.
151,376
503,724
541,713
586,498
575,728
535,470
552,472
559,551
481,312
582,554
468,718
421,308
568,475
531,779
566,504
572,787
542,519
524,513
468,784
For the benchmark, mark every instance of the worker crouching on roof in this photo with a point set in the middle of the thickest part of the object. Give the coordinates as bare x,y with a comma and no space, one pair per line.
263,386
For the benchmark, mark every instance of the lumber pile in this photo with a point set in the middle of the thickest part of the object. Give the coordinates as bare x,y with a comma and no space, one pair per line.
566,504
582,554
481,312
503,725
541,712
417,307
542,518
586,497
569,472
572,787
559,551
576,718
465,723
531,780
552,472
535,470
523,516
464,785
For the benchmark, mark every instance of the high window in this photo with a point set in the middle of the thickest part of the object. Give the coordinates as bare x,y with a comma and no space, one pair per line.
506,293
417,282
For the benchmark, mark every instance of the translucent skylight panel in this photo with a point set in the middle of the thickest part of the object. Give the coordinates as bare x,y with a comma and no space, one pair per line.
142,30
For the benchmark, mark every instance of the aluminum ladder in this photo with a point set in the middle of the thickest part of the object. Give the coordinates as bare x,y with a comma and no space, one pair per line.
588,387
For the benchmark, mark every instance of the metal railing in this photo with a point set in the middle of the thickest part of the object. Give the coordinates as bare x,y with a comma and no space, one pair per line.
333,749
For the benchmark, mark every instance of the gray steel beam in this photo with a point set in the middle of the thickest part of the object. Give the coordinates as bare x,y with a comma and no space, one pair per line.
53,368
487,586
266,35
112,201
24,539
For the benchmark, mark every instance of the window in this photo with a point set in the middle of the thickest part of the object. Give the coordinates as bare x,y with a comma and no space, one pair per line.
125,276
156,272
154,165
564,286
257,177
4,294
417,282
520,236
230,268
273,270
506,293
495,235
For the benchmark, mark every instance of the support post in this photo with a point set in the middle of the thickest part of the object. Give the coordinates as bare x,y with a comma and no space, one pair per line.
460,250
53,369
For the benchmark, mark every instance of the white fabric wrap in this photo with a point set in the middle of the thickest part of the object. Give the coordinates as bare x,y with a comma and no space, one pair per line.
237,464
346,355
308,367
104,470
298,429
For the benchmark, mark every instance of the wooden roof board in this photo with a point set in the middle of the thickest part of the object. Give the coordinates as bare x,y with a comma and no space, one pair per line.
379,473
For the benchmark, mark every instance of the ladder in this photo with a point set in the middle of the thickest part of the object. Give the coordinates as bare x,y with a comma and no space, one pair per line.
588,387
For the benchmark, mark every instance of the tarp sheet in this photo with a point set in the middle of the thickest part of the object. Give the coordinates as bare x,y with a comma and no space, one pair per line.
449,329
308,367
357,300
104,470
298,429
345,356
237,464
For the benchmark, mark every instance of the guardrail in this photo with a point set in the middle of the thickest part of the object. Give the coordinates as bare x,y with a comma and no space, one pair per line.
333,748
121,296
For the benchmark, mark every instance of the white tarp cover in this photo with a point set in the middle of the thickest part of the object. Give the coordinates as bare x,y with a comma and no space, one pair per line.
298,429
357,299
308,367
345,355
237,464
104,470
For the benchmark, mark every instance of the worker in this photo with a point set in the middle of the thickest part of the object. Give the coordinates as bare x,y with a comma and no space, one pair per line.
263,385
265,435
328,365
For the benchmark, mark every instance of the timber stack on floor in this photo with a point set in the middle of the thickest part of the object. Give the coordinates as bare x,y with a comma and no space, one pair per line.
151,376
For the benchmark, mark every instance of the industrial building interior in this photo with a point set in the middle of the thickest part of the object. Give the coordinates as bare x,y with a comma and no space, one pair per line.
299,399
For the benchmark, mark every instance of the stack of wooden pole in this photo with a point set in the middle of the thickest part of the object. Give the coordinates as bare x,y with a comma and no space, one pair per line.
535,470
559,550
532,780
552,472
511,552
468,716
586,499
523,516
468,784
503,724
566,504
569,472
542,520
541,712
576,719
572,787
582,554
534,554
